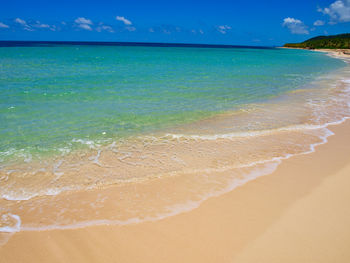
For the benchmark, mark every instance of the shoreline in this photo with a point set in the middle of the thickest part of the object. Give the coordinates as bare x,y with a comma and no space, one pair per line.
340,53
291,215
81,156
239,230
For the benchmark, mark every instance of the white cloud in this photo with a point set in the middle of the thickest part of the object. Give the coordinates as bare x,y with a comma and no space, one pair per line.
2,25
39,25
24,24
151,30
339,11
83,23
20,21
318,23
223,29
295,26
198,31
83,20
43,26
124,20
28,28
85,26
31,26
104,28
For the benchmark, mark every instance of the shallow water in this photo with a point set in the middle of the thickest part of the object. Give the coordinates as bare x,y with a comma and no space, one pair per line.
54,99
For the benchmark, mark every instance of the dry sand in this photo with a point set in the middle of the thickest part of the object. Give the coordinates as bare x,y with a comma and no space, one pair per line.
340,53
300,213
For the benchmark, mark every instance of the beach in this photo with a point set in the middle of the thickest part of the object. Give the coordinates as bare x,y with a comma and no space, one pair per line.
266,181
299,213
340,53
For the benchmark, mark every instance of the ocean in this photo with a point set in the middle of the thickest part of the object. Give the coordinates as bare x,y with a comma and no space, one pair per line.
118,134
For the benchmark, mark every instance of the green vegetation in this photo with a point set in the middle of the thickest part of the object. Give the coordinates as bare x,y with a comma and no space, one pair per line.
337,41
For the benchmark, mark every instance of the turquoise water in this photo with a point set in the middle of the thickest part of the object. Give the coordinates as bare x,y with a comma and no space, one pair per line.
52,97
133,134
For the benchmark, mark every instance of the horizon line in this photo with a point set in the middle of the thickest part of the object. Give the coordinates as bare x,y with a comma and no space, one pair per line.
123,43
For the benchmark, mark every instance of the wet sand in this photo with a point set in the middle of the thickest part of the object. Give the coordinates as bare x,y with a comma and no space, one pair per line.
299,213
340,53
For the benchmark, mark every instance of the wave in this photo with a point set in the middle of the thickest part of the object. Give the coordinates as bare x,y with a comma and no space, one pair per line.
269,166
195,157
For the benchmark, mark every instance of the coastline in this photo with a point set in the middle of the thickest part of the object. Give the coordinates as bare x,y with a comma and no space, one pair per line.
232,227
298,213
340,53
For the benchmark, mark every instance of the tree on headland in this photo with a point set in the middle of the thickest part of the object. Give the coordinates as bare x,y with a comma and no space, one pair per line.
341,41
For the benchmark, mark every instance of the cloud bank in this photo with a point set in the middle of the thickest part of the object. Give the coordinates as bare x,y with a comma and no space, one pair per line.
2,25
319,23
295,26
83,23
20,21
124,20
339,11
103,27
223,29
24,24
83,20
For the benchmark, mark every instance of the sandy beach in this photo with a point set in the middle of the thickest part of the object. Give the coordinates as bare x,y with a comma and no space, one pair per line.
339,53
299,213
188,132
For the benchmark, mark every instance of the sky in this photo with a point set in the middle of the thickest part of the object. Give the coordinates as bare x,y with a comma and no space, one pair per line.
235,22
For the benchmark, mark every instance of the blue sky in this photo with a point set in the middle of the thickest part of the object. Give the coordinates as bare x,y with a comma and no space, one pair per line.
240,22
